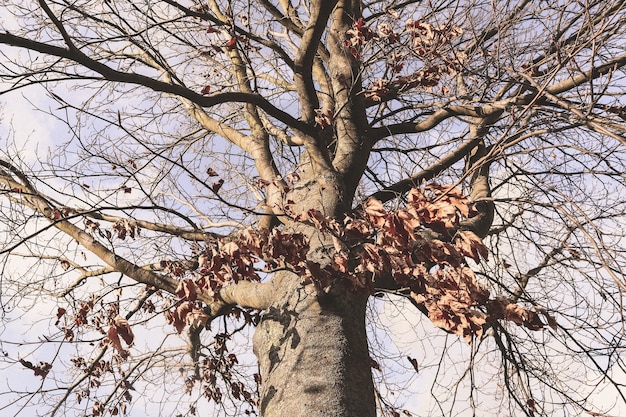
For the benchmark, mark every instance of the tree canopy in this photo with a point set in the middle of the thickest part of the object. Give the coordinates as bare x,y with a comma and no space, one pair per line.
398,206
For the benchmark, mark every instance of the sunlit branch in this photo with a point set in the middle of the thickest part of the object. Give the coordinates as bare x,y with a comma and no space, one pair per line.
490,109
243,293
303,64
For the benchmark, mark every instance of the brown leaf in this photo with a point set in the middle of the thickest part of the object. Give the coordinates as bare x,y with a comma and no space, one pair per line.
409,221
442,317
317,218
470,245
40,370
323,118
523,316
187,290
456,198
69,334
341,261
215,187
65,265
231,44
375,211
178,317
60,313
374,364
516,313
413,363
114,340
231,249
551,320
357,228
197,318
98,409
123,329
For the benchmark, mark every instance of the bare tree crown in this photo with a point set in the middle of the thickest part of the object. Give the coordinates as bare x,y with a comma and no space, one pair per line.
308,175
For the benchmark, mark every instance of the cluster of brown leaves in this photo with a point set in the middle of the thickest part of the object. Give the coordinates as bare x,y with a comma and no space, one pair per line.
425,51
40,370
433,266
125,227
231,260
187,314
420,247
63,213
221,366
96,372
215,374
122,228
428,40
358,36
323,118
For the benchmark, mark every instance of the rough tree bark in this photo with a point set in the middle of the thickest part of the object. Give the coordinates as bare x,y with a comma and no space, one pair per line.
312,345
313,355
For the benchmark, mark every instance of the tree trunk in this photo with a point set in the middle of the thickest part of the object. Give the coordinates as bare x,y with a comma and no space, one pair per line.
313,353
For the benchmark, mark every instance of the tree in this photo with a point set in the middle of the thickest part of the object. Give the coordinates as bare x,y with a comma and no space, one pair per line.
270,168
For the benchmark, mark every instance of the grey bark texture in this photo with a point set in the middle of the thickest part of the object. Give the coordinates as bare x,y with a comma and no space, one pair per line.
313,355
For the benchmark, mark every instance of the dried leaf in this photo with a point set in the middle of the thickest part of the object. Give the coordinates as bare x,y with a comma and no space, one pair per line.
40,370
375,211
197,318
178,317
323,118
65,265
123,329
231,44
114,340
470,245
60,313
187,290
215,187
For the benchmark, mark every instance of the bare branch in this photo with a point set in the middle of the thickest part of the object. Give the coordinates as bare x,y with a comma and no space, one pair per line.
111,74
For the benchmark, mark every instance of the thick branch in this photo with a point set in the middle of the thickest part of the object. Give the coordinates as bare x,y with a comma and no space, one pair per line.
488,110
471,110
351,124
592,74
245,294
480,192
303,63
248,294
111,74
428,173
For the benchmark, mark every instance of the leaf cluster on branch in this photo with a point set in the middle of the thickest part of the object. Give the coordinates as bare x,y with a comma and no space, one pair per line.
422,248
